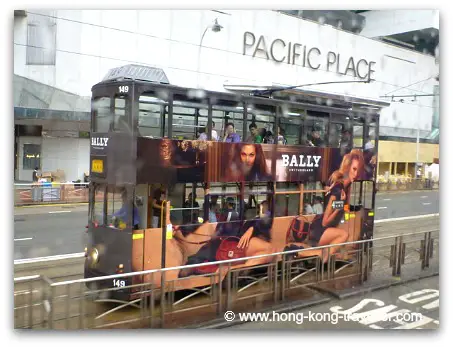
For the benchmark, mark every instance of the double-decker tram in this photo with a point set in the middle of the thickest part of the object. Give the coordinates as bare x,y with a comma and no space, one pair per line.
181,176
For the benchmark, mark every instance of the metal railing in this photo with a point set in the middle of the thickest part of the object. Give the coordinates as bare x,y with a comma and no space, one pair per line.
86,304
49,193
408,184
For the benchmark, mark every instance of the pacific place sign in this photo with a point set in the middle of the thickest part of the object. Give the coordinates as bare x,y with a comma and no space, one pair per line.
294,53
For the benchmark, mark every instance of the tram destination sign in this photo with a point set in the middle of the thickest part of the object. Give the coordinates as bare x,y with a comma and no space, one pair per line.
294,53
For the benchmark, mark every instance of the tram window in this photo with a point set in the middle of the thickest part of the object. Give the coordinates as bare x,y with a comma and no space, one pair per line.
150,113
354,197
121,119
340,132
370,138
223,196
358,132
189,118
287,204
367,194
291,123
314,130
227,111
97,215
264,118
369,152
114,205
102,115
254,194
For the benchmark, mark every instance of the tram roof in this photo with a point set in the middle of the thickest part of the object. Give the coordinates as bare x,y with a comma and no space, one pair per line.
146,75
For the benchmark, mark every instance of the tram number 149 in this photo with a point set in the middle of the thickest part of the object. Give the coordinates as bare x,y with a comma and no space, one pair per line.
123,89
118,283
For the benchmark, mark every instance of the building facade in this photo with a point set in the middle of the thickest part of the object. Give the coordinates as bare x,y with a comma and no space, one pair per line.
59,55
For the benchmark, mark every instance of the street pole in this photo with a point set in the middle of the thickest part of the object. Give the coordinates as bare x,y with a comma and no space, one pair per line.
199,55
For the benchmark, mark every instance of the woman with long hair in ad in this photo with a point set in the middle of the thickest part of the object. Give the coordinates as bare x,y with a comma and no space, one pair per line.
324,229
246,162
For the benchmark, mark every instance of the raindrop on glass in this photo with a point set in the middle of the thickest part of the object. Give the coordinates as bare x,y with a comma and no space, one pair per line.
162,94
319,100
415,38
329,102
340,24
394,117
322,20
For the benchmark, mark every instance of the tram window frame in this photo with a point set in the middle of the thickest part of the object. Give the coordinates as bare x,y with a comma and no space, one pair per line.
227,111
292,118
96,105
367,194
160,110
338,124
98,188
111,208
262,114
355,194
315,120
358,137
259,192
223,191
181,103
286,191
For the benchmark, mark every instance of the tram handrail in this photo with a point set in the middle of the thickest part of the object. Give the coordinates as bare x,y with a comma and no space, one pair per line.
220,262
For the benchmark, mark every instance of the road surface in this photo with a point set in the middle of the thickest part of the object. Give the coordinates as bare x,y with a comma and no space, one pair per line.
417,303
47,231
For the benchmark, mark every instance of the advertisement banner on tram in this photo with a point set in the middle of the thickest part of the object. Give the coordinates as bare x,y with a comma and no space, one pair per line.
179,161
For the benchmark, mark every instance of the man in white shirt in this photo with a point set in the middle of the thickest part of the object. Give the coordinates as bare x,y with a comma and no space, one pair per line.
215,136
204,136
317,206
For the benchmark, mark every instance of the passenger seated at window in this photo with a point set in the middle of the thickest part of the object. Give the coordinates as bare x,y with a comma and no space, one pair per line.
254,134
317,206
203,134
121,217
307,209
315,140
269,138
281,140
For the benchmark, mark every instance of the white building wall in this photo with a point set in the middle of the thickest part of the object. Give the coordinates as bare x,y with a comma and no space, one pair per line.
170,40
390,22
68,154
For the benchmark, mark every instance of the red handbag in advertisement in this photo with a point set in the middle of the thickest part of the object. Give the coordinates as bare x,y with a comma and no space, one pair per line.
228,249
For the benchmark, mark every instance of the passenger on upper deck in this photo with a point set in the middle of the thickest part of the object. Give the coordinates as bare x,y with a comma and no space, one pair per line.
254,134
230,134
281,140
315,140
204,134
